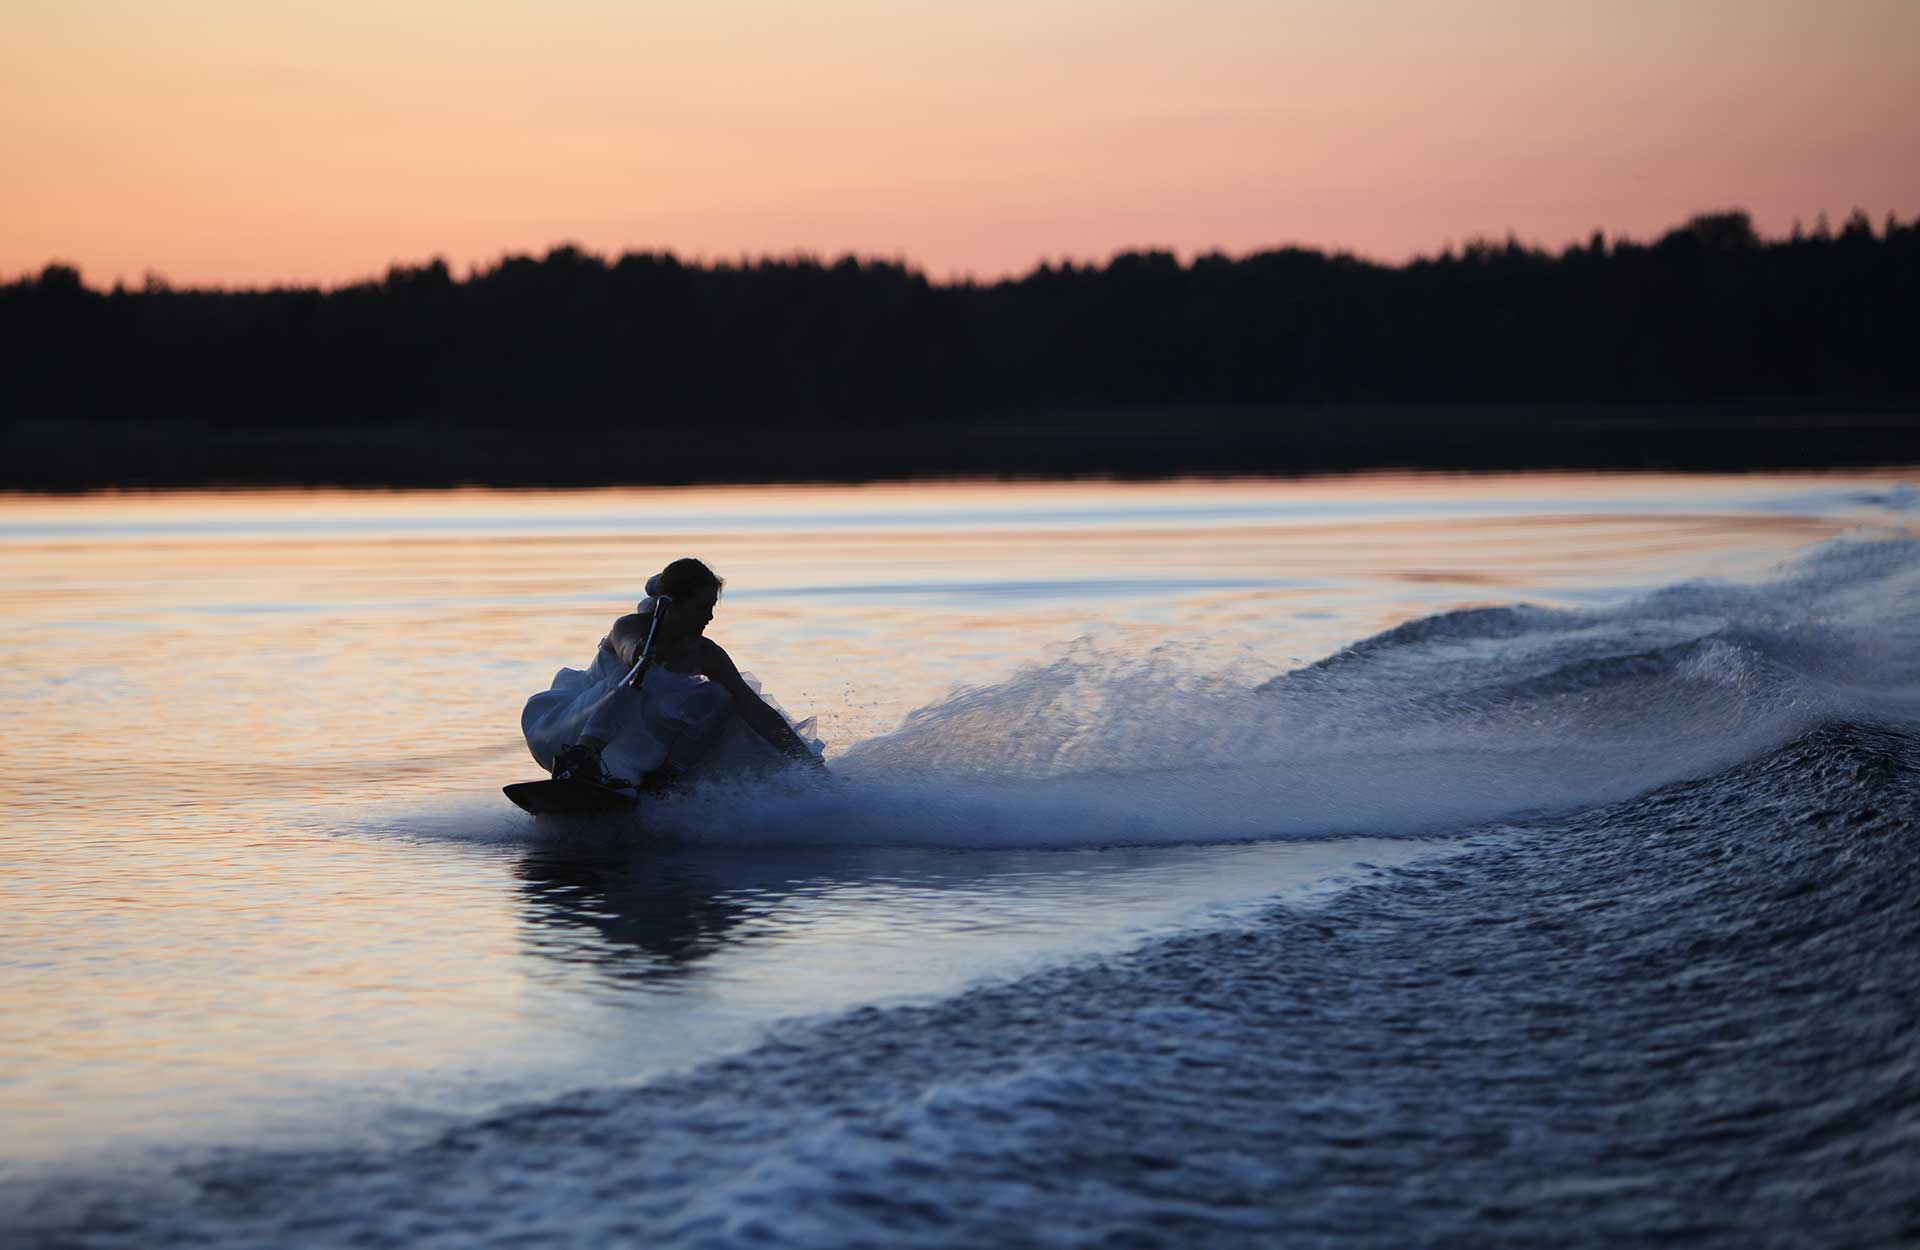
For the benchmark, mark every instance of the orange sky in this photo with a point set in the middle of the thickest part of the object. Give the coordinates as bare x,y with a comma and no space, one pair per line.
245,142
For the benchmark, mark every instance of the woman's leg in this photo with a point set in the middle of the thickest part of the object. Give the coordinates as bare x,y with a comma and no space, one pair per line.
617,714
620,706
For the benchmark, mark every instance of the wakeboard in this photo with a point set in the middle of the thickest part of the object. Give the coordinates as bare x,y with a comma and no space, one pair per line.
569,798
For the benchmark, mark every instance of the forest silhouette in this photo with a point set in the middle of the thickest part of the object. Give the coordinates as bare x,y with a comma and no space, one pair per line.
1708,348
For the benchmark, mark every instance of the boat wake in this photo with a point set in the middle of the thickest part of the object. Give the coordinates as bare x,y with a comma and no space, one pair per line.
1684,1017
1444,723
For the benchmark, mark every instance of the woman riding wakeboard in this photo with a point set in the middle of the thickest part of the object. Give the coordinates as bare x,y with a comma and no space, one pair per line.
662,702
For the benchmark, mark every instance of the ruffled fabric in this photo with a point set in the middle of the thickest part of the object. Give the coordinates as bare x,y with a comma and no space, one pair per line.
642,731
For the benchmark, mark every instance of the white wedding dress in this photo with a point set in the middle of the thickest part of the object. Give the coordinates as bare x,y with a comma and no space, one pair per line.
677,717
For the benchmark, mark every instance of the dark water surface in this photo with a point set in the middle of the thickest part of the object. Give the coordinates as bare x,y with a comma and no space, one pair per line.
1684,1019
1499,872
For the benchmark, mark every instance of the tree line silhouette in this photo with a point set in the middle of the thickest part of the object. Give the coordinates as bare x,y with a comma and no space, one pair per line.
833,360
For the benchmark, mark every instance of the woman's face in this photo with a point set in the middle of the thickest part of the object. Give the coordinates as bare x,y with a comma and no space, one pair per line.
694,612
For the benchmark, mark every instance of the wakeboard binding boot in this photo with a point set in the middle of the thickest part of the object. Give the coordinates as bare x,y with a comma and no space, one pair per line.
582,762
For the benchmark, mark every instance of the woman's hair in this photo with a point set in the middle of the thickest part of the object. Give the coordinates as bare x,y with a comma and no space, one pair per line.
685,576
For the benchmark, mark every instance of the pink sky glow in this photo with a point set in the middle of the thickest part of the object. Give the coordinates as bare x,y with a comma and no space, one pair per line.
228,142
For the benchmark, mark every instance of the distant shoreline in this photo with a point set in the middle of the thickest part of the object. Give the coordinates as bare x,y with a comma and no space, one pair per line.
1709,348
64,456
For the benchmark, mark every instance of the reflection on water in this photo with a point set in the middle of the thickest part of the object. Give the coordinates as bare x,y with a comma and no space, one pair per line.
766,932
634,911
259,862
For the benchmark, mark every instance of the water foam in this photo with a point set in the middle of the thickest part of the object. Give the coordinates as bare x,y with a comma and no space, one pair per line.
1439,724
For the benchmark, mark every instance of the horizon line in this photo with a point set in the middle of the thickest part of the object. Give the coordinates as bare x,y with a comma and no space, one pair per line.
153,280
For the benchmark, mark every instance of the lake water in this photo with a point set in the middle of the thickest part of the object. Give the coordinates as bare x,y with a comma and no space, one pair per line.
1135,786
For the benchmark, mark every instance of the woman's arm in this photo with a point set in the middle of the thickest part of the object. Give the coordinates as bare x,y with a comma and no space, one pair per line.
718,666
628,636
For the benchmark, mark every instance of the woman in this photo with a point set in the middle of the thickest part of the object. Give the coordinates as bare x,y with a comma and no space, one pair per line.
693,713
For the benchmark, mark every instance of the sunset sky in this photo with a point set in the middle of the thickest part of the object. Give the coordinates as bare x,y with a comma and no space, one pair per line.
249,142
